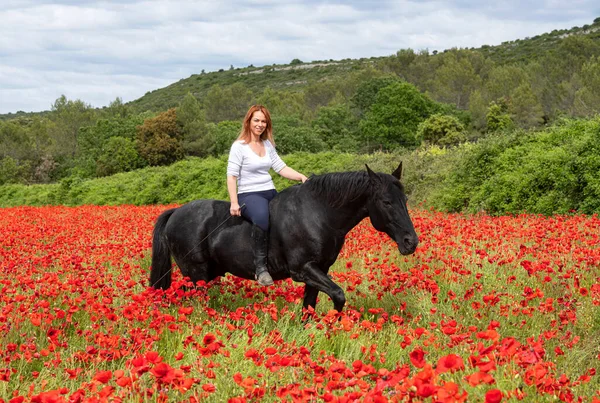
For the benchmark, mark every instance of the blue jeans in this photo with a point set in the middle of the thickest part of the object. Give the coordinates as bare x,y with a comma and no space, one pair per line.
256,208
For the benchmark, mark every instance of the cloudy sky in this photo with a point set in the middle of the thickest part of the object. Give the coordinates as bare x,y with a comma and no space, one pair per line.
97,51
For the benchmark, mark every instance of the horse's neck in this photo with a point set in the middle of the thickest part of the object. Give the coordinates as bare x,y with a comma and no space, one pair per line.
347,216
346,195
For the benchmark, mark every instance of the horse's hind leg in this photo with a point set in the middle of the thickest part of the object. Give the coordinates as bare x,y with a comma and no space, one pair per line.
317,280
196,269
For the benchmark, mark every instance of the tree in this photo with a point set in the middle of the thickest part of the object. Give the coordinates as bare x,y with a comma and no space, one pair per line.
498,117
117,109
587,96
457,77
366,93
118,155
159,139
39,133
319,94
93,139
404,58
283,103
69,117
298,139
17,152
14,141
441,129
192,119
227,103
393,119
222,135
13,171
337,126
478,107
525,109
503,80
554,73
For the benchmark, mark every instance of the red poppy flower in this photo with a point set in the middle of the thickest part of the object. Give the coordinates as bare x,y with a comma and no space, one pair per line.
450,362
493,396
103,376
417,358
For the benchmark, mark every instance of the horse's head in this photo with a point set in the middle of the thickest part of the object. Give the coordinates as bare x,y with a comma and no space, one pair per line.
388,211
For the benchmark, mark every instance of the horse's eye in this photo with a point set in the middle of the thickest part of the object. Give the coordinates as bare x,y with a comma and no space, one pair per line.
387,203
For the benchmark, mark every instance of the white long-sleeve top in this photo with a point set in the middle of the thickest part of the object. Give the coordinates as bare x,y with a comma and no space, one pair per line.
252,171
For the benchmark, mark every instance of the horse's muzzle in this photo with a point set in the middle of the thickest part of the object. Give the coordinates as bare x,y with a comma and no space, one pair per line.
408,244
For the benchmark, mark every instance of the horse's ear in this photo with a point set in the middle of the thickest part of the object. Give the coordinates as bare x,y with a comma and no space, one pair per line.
398,172
372,175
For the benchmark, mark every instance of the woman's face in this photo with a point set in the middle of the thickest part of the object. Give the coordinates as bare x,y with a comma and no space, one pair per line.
258,123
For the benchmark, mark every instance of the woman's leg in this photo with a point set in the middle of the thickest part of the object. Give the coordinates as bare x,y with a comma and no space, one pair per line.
256,210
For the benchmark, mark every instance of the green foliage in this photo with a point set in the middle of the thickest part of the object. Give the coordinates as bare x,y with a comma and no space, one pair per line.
525,108
190,110
222,135
117,110
158,140
587,97
69,117
283,103
552,171
393,119
503,80
119,155
366,93
441,129
93,143
12,171
319,94
192,119
227,103
14,141
459,74
180,182
337,127
497,117
298,139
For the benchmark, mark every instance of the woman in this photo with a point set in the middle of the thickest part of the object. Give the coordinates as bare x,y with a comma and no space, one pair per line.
249,181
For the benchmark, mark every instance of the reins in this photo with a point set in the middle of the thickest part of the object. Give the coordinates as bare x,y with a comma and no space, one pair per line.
199,243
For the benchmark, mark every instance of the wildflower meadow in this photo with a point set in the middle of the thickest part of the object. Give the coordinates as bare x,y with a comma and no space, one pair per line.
488,309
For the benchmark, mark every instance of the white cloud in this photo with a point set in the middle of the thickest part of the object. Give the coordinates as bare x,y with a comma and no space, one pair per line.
99,50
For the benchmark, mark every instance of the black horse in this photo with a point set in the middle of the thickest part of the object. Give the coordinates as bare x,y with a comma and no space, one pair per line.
309,223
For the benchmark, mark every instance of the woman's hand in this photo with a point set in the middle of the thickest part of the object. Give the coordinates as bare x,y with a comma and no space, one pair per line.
303,178
235,209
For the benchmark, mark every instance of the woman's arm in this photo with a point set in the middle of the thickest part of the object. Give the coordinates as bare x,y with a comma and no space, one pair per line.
232,189
289,173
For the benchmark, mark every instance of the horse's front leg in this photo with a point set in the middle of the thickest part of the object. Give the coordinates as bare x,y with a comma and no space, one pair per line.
316,280
310,297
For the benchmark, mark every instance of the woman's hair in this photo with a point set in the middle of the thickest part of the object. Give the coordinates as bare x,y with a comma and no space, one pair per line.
246,133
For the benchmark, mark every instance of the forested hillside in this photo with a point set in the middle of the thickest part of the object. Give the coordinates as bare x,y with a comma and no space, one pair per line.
412,100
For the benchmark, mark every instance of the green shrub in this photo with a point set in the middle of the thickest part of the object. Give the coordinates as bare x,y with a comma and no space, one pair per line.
551,171
441,129
189,179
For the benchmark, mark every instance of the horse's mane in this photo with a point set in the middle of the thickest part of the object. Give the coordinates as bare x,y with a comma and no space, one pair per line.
339,188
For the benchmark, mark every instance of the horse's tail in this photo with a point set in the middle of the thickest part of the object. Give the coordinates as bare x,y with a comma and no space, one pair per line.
160,272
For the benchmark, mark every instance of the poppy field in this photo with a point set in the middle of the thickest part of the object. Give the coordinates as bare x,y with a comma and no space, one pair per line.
488,309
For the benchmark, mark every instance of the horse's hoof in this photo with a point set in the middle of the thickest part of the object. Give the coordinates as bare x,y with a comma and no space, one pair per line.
264,278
